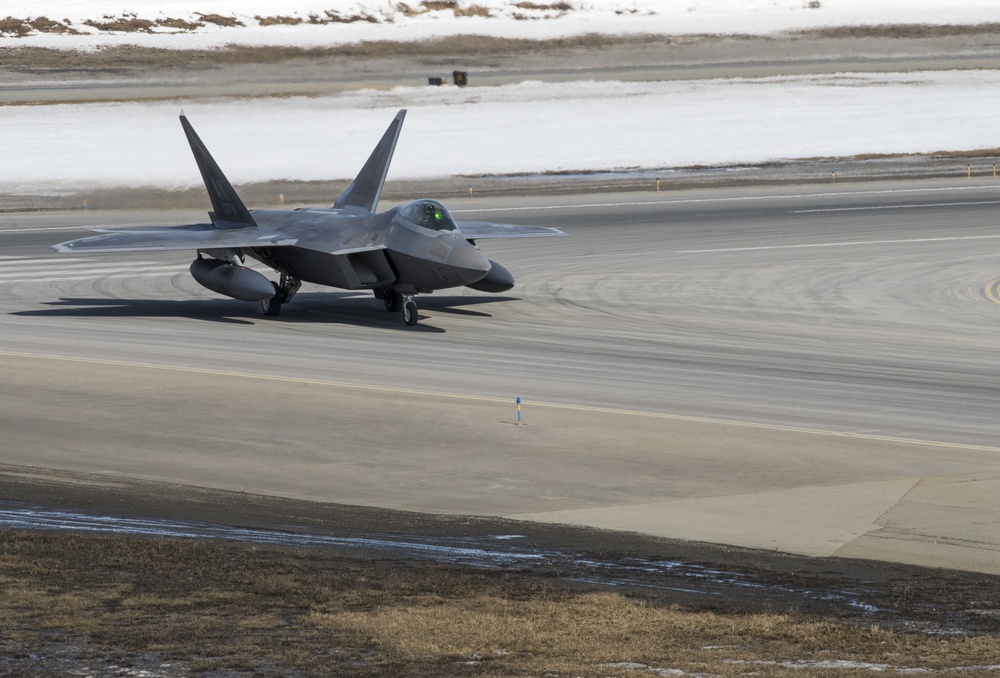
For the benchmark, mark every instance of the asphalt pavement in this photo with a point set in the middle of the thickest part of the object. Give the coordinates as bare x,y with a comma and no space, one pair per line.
807,369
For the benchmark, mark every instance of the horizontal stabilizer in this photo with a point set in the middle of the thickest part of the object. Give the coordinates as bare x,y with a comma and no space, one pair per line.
365,190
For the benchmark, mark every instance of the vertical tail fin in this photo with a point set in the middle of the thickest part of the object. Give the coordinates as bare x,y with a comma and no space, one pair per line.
228,210
364,191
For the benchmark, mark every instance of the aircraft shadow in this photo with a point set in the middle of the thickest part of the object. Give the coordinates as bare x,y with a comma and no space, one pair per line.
316,308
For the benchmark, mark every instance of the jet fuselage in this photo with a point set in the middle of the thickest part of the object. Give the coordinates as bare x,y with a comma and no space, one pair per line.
412,248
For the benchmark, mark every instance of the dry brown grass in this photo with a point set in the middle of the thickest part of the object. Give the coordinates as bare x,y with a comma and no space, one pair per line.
901,31
179,24
442,6
473,10
976,153
588,632
278,20
331,17
439,5
127,23
42,24
233,607
553,7
456,46
14,27
220,20
407,10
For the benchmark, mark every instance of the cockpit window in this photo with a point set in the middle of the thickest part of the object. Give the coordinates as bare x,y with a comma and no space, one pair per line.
429,214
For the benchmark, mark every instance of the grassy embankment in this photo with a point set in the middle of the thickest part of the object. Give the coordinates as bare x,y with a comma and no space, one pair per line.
235,608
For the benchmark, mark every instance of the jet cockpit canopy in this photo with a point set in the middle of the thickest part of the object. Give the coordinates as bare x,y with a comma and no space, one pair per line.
428,214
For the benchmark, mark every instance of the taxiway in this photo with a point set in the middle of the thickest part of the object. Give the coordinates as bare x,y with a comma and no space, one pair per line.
807,369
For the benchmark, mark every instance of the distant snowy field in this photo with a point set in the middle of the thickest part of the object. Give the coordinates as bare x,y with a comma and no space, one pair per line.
520,128
331,22
524,128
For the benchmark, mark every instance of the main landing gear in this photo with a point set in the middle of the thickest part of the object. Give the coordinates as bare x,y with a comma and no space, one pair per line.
395,301
272,305
283,293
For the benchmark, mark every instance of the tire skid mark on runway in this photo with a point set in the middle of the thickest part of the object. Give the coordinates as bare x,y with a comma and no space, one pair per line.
24,270
90,275
542,404
58,263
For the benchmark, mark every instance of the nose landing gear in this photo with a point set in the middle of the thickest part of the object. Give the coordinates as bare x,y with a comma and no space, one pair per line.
395,301
409,311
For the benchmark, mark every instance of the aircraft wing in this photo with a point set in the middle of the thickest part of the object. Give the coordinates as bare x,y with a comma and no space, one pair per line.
191,237
483,230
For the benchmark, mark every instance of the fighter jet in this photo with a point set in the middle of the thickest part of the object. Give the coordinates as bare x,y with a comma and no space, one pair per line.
412,249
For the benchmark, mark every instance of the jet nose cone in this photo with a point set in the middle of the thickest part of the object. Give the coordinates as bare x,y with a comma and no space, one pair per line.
498,279
469,263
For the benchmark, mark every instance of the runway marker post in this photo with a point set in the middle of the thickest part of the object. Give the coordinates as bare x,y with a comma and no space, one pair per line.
968,169
518,411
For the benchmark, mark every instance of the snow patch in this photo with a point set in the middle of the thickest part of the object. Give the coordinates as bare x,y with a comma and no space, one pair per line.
527,128
193,24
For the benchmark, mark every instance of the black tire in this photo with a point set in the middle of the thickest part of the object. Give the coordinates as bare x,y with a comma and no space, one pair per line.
410,313
272,305
393,301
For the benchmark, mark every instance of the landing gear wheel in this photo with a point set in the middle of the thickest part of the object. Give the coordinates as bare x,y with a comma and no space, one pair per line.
393,301
272,305
410,313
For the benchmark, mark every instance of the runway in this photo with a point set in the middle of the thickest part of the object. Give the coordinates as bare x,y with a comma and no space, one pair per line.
808,369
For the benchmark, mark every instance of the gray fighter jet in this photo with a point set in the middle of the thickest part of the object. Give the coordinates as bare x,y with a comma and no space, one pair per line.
414,248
